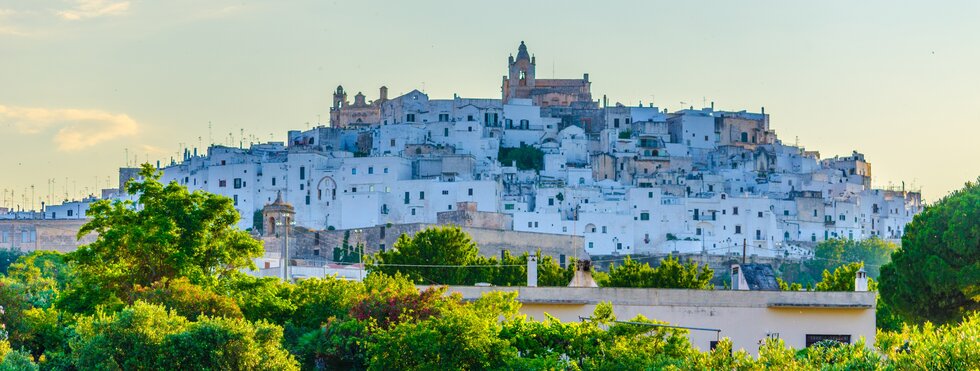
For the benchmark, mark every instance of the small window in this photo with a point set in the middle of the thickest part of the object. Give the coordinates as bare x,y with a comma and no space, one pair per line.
508,206
645,216
735,210
421,195
824,339
738,229
353,171
445,191
760,214
370,169
410,117
470,192
603,229
302,172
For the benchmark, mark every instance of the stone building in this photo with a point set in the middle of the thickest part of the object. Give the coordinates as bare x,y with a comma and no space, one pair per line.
360,113
521,82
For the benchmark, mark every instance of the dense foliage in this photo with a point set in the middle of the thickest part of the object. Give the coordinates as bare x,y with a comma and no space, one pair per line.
526,157
935,275
669,274
448,256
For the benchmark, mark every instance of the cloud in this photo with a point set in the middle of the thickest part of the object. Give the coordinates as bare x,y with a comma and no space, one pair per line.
77,129
94,8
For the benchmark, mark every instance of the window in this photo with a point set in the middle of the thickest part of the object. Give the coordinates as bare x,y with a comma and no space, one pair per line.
470,192
392,143
786,236
814,212
421,195
386,171
316,239
302,172
760,214
508,206
603,229
445,132
222,183
449,207
407,198
413,211
735,211
616,123
644,216
649,194
529,224
535,224
786,212
758,234
237,183
619,245
235,197
6,237
591,245
370,169
301,186
697,231
353,190
307,199
445,191
816,339
738,229
443,117
697,215
551,202
410,117
273,181
353,171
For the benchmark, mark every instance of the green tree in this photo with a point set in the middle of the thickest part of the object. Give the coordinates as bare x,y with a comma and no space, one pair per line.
526,157
669,274
147,336
843,279
168,233
7,257
436,255
828,255
187,299
935,275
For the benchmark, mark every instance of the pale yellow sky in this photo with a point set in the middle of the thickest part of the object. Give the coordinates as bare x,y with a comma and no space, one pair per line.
82,82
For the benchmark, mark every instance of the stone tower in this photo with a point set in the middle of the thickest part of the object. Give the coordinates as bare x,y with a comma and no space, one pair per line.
276,215
520,78
339,98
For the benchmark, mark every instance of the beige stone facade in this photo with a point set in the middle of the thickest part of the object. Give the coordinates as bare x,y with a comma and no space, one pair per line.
746,317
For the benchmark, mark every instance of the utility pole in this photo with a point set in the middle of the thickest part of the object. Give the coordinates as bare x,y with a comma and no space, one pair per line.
743,250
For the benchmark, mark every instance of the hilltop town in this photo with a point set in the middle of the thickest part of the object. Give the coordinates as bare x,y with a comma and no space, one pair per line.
547,165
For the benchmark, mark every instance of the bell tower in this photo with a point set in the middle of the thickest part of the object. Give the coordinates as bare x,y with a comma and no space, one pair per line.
520,75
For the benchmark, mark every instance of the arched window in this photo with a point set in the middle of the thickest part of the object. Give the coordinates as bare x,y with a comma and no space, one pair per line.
272,226
745,137
590,228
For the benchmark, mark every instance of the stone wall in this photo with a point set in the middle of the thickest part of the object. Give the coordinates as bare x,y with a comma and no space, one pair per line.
311,244
39,234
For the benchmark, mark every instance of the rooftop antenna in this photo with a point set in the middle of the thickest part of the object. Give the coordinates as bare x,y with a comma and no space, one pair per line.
210,137
127,156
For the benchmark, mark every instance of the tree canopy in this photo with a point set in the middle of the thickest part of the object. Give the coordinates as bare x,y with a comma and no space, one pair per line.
446,255
669,274
935,275
168,233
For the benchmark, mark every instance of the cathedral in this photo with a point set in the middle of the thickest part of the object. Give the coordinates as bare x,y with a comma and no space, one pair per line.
521,83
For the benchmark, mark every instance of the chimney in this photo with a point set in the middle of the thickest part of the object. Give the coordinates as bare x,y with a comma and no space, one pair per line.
861,281
532,271
585,77
738,282
583,275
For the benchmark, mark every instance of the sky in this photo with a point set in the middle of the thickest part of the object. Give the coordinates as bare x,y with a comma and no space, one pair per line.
88,86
